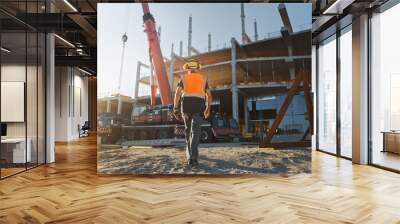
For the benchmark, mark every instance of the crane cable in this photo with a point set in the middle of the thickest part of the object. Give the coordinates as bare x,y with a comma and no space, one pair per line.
124,40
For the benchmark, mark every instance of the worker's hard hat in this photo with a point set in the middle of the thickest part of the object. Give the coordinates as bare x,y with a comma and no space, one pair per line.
192,64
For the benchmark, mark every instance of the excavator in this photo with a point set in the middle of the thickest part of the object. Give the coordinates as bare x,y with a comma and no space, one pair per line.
156,122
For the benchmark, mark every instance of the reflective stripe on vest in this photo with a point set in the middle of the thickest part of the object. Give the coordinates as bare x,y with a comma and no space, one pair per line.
194,84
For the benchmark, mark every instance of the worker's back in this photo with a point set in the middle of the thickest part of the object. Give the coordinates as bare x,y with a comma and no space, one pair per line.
193,87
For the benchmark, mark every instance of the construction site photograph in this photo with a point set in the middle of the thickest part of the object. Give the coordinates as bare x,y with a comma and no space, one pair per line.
193,88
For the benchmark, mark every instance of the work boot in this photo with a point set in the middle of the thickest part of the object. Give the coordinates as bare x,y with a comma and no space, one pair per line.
193,162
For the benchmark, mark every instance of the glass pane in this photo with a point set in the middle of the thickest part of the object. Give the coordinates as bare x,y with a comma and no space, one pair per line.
385,84
327,96
41,98
346,94
13,86
31,97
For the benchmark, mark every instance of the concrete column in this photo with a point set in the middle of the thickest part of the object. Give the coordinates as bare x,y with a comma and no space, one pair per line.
50,93
137,79
234,89
242,18
64,104
292,71
171,70
190,37
108,105
360,90
209,42
246,115
180,48
119,108
262,125
255,30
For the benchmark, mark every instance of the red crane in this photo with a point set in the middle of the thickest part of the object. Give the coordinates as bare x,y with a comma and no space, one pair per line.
158,60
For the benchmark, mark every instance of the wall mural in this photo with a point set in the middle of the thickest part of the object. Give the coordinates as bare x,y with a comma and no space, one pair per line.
204,88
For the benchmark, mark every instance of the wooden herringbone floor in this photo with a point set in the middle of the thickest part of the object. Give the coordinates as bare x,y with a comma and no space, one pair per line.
70,191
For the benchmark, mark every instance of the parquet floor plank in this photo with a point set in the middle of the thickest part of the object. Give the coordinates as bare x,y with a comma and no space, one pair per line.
70,191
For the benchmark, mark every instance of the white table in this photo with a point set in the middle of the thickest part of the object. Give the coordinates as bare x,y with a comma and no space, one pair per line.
19,154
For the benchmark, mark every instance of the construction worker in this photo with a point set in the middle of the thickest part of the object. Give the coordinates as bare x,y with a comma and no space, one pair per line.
193,103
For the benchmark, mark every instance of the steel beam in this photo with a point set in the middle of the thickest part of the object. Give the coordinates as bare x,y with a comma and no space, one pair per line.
84,24
337,7
285,17
76,61
282,58
292,91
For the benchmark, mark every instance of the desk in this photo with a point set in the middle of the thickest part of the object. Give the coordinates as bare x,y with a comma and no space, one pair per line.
391,141
13,150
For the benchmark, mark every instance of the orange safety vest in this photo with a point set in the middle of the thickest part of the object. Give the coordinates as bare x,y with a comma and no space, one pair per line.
194,84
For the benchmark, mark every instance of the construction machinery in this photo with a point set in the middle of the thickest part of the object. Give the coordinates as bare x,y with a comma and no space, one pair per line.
156,123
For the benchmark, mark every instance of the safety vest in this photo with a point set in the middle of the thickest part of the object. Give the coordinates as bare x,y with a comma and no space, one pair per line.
194,84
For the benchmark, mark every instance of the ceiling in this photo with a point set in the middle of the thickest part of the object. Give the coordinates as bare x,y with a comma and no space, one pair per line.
75,22
332,15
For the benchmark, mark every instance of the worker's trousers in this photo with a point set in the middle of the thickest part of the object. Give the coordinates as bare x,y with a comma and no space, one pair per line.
192,134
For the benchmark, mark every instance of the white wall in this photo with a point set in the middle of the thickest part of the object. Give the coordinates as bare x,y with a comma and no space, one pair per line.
71,102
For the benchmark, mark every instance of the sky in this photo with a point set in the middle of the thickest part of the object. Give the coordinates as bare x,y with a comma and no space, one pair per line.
222,20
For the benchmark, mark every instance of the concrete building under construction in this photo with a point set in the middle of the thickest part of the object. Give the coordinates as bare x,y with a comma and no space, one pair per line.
249,78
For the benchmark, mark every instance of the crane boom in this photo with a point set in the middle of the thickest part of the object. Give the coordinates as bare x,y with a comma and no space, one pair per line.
156,54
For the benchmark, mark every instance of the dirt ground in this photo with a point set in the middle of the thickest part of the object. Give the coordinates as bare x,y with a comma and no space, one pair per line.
213,159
